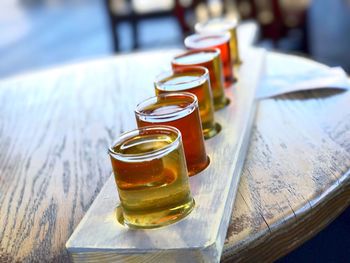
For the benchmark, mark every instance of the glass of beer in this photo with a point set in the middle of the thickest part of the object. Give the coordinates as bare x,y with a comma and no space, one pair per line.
217,40
210,59
151,176
194,80
219,25
179,110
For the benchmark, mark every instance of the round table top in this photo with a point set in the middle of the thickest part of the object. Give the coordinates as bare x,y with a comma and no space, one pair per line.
296,177
56,125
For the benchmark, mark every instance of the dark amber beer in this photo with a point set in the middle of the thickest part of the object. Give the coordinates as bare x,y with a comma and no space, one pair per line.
219,25
220,41
179,110
151,176
196,81
210,59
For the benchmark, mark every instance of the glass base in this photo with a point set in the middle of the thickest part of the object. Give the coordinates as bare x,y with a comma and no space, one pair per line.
230,82
199,168
219,106
209,133
237,63
155,219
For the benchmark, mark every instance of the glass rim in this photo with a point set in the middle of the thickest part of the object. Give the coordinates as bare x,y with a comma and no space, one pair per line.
169,73
223,37
227,24
193,51
192,105
147,156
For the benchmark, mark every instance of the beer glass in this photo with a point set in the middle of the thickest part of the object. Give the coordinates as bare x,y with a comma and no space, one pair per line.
151,176
194,80
217,40
210,59
179,110
219,25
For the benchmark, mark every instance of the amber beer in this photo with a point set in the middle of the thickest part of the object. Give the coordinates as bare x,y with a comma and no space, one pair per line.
219,25
179,110
196,81
210,59
150,172
220,41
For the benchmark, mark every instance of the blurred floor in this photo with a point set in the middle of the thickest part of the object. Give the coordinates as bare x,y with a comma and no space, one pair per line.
40,36
46,33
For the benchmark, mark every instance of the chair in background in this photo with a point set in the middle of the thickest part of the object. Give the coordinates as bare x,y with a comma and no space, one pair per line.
133,11
277,18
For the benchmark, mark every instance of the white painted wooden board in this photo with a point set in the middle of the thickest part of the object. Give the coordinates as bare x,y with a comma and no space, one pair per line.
200,236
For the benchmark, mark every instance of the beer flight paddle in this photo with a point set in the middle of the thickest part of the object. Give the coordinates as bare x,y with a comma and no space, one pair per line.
181,187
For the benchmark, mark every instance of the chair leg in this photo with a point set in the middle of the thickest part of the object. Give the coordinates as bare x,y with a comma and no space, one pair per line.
115,36
113,26
134,26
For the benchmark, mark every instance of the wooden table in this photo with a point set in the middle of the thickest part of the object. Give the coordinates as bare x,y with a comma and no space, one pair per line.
56,125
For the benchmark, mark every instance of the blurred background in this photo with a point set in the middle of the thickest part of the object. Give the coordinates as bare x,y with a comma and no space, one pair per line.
43,33
36,34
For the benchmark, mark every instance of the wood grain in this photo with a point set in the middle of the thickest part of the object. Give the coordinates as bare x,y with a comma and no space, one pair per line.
55,127
296,180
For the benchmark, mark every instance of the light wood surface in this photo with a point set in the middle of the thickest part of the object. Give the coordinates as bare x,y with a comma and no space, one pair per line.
55,127
200,236
296,178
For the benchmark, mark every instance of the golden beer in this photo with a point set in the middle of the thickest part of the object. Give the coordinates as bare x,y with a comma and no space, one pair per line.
210,59
151,176
194,80
218,25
